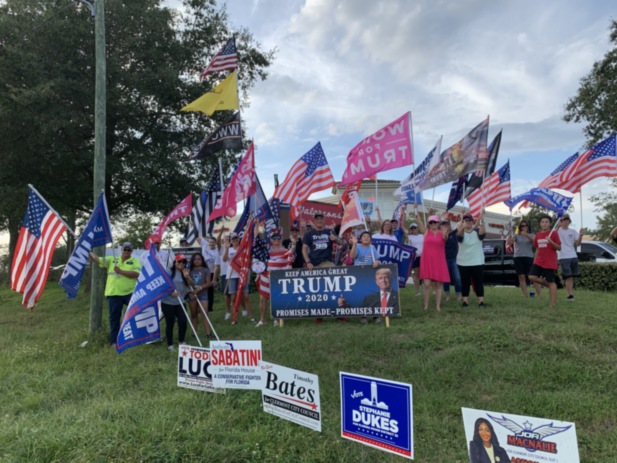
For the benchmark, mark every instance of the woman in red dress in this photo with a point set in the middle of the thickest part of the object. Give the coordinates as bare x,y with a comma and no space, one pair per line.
433,267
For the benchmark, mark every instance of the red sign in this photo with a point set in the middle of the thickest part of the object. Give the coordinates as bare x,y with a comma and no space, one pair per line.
331,212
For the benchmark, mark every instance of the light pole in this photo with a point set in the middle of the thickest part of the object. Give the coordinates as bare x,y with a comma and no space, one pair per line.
97,8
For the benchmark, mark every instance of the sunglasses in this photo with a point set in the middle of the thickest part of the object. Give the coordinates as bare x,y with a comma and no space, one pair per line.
197,258
181,262
432,222
523,225
468,220
127,249
276,239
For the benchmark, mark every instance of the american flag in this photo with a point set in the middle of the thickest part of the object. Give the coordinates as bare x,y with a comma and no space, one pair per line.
40,231
199,225
260,250
495,189
224,60
311,173
598,161
553,177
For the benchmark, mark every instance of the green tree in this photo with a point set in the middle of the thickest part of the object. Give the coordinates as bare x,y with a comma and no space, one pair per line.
154,55
595,104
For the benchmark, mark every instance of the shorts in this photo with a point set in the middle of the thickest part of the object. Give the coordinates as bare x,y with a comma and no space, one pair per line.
522,265
232,286
416,262
547,274
201,297
569,267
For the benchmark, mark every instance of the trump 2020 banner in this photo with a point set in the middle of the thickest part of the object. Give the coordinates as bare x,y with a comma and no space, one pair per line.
141,320
393,252
291,394
378,413
517,439
354,291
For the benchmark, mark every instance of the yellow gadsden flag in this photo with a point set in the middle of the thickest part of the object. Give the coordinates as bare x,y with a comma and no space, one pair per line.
223,96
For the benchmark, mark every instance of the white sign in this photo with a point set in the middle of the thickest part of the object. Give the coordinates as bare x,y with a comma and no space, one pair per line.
518,439
291,394
235,364
194,369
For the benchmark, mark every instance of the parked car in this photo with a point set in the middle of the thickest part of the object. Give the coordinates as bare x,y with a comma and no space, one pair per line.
499,262
603,252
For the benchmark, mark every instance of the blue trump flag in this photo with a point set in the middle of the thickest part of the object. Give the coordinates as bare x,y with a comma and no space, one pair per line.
141,320
260,207
393,252
96,233
543,197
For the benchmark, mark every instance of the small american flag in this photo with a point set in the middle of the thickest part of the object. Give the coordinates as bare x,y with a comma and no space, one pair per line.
495,189
260,250
310,174
40,231
224,60
598,161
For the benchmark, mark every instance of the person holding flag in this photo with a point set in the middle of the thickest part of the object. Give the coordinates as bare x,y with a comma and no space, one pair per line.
232,241
200,274
173,304
122,274
544,268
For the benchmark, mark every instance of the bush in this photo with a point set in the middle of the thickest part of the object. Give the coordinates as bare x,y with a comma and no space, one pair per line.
598,277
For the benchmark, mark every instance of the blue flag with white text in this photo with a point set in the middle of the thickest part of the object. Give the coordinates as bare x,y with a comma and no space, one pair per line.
96,233
141,320
260,207
543,197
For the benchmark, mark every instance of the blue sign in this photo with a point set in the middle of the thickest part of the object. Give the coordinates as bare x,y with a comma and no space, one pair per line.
354,291
96,233
393,252
377,413
141,320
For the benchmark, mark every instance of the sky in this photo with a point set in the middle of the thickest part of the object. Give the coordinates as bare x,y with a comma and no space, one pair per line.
345,68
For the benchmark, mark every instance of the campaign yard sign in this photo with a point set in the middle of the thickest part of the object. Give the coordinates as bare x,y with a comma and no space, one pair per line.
393,252
194,369
354,291
291,394
377,413
519,439
235,364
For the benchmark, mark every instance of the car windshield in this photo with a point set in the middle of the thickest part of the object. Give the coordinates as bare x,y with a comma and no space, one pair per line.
609,247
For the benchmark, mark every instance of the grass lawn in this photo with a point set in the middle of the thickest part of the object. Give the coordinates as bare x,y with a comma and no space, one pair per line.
60,402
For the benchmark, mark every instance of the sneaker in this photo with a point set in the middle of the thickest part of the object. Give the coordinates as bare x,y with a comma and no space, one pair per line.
363,321
259,323
319,320
227,315
378,320
465,304
234,323
245,313
343,319
171,348
252,320
570,298
183,344
418,293
276,323
481,304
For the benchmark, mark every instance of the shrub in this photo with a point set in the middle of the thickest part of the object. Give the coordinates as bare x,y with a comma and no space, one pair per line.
598,277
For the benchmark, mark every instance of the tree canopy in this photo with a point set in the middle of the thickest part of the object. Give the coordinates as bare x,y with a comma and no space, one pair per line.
595,104
154,57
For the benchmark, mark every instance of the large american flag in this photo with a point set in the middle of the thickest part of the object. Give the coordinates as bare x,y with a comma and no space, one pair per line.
495,189
598,161
310,174
553,178
40,231
226,59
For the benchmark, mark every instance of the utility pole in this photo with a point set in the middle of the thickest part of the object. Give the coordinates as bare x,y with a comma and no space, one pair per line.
97,8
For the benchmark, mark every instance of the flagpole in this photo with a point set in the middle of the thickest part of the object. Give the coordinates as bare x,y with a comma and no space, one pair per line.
53,210
188,319
581,201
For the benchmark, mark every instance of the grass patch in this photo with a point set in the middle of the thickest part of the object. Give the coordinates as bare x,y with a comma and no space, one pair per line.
63,403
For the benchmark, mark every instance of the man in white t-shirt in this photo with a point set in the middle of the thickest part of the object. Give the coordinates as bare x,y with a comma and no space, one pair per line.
568,259
416,240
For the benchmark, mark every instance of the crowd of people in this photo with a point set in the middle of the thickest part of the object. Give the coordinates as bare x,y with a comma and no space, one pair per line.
446,257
